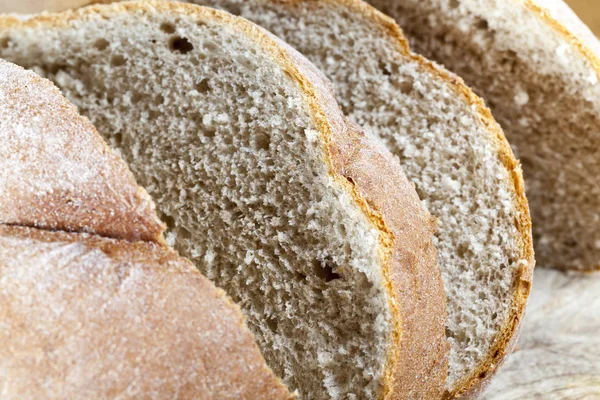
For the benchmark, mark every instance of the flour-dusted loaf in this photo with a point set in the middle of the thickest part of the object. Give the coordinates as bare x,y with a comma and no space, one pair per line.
57,172
448,144
536,64
85,317
311,227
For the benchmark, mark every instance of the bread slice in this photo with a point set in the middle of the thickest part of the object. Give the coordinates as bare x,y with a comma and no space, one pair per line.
95,318
537,65
448,144
311,227
57,171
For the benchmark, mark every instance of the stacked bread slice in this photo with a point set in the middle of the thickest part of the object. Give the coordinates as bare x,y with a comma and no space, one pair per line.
537,65
309,224
452,149
85,316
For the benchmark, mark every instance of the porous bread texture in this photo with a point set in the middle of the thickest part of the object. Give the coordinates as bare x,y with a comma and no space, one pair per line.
95,318
220,132
448,145
57,172
536,64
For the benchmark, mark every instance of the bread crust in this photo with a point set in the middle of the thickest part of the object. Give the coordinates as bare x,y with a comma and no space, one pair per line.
59,172
105,318
417,362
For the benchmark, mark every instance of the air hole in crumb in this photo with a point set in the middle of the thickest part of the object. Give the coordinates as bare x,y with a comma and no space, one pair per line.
300,276
349,179
494,316
272,324
136,97
209,132
570,243
159,100
119,138
153,115
449,333
406,87
167,28
184,233
5,42
385,69
325,272
482,24
462,250
262,142
170,221
117,60
453,4
482,296
203,86
101,44
181,45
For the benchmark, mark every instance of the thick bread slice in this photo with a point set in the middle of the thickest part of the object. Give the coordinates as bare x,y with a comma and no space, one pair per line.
312,228
57,172
449,145
537,65
95,318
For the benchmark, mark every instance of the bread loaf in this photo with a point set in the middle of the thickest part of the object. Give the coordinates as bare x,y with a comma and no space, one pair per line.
536,64
308,224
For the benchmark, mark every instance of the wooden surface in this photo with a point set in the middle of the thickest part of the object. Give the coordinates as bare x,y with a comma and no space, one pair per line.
558,354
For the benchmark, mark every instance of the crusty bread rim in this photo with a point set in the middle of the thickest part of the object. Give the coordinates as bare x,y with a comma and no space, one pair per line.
261,37
472,384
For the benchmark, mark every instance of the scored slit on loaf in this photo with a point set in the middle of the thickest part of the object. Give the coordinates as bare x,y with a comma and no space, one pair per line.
310,226
538,67
448,144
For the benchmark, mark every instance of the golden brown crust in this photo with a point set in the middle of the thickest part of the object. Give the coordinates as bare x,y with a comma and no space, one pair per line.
104,318
60,173
473,384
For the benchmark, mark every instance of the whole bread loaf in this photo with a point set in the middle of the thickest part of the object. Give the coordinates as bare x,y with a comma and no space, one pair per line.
308,224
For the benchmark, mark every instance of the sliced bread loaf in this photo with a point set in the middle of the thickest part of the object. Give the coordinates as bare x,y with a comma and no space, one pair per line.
310,226
94,318
57,172
537,66
448,144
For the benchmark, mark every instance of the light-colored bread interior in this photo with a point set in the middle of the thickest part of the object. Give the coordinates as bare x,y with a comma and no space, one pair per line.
95,318
542,86
219,130
447,144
